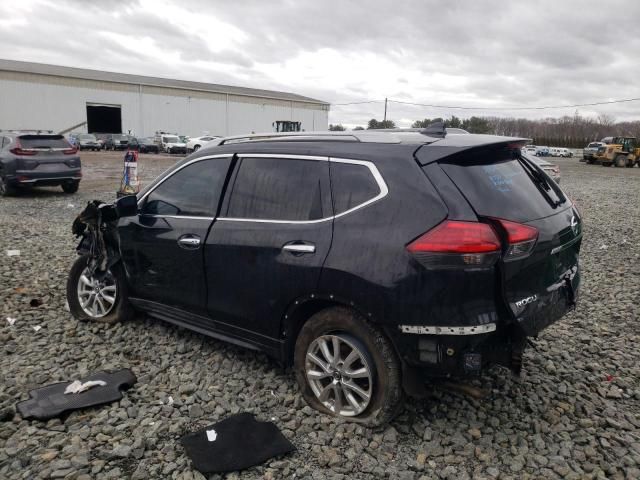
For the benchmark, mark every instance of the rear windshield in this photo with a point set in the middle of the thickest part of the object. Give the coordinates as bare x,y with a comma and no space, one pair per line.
503,189
43,141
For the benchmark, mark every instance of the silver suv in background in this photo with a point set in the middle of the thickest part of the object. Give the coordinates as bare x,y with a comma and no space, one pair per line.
28,160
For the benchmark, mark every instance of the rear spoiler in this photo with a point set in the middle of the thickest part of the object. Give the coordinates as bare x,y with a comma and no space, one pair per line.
456,144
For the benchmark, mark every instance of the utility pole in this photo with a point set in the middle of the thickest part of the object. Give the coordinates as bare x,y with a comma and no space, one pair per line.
385,110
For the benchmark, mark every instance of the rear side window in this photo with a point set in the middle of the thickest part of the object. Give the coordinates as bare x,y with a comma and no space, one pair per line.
43,141
351,185
192,191
279,189
501,189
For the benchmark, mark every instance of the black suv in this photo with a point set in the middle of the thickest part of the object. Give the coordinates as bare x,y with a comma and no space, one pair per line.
369,261
35,159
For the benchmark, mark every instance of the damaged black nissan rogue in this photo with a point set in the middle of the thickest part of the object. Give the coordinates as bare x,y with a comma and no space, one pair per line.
369,261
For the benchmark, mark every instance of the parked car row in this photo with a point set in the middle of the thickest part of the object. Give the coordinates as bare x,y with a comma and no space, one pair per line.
543,151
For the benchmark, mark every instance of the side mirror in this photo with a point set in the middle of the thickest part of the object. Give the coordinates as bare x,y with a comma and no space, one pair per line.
127,206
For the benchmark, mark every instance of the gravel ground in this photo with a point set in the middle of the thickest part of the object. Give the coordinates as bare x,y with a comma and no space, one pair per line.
574,413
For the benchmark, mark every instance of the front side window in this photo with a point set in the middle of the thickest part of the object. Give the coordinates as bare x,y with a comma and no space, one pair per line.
280,189
192,191
351,185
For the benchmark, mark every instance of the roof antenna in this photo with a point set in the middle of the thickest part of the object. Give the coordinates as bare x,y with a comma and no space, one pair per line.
435,129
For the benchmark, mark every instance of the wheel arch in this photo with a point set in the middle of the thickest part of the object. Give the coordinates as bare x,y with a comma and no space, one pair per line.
304,308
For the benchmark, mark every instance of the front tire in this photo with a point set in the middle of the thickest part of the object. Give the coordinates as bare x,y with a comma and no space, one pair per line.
346,367
621,161
90,299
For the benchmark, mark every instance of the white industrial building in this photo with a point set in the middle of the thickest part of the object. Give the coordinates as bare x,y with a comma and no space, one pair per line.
64,99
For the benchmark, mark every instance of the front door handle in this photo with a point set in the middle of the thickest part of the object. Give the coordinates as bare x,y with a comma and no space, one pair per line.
189,242
299,247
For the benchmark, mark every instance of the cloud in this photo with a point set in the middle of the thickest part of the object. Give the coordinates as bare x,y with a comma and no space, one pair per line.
492,53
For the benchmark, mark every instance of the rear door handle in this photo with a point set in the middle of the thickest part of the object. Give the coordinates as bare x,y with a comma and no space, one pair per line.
189,242
299,247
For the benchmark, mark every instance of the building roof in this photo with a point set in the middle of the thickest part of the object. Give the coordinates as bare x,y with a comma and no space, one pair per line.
86,74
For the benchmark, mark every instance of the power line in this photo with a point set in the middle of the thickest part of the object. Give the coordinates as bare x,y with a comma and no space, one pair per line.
545,107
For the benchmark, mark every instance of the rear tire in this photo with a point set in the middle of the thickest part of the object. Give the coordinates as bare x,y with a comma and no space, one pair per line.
6,189
70,187
378,375
606,164
621,161
119,310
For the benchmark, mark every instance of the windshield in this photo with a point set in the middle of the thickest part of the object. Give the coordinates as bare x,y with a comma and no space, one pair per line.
170,139
145,140
86,136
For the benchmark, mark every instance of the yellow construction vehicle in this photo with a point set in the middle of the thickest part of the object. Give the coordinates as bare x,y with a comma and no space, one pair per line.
622,151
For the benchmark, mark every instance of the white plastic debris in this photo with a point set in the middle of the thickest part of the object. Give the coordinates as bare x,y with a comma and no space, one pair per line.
11,321
78,387
212,435
170,401
37,328
603,247
66,306
71,205
13,253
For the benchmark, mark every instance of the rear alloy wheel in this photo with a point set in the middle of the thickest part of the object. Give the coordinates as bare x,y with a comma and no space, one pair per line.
339,374
346,367
6,189
70,187
621,161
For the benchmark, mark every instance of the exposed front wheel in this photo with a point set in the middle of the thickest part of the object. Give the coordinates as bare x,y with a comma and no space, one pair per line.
196,148
97,298
347,367
621,161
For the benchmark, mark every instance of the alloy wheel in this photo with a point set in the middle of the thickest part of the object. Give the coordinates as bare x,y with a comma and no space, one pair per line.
339,374
97,298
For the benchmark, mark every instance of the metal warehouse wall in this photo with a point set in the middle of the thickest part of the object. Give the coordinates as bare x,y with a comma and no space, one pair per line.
56,103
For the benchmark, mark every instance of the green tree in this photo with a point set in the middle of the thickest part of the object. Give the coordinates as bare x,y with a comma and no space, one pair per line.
336,128
374,124
477,125
454,122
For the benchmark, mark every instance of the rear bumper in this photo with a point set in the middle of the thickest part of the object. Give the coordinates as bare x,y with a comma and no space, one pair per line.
29,178
432,352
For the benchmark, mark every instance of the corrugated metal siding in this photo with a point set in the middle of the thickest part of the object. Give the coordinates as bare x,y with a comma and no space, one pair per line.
46,102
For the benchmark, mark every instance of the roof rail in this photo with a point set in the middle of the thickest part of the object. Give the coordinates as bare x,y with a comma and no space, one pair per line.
372,136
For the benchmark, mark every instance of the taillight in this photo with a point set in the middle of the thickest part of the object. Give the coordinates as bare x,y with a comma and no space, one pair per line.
521,239
70,151
18,150
457,244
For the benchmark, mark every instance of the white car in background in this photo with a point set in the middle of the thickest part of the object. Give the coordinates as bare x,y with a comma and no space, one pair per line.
194,144
172,144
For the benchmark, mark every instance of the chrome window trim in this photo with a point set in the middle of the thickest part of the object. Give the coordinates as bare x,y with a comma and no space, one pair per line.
188,217
384,190
199,159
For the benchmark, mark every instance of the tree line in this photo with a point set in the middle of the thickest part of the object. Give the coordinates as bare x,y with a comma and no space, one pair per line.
567,131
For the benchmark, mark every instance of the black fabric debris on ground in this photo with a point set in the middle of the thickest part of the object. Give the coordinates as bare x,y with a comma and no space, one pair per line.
240,441
50,401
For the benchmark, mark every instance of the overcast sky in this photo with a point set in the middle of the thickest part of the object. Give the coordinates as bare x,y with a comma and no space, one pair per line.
493,54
